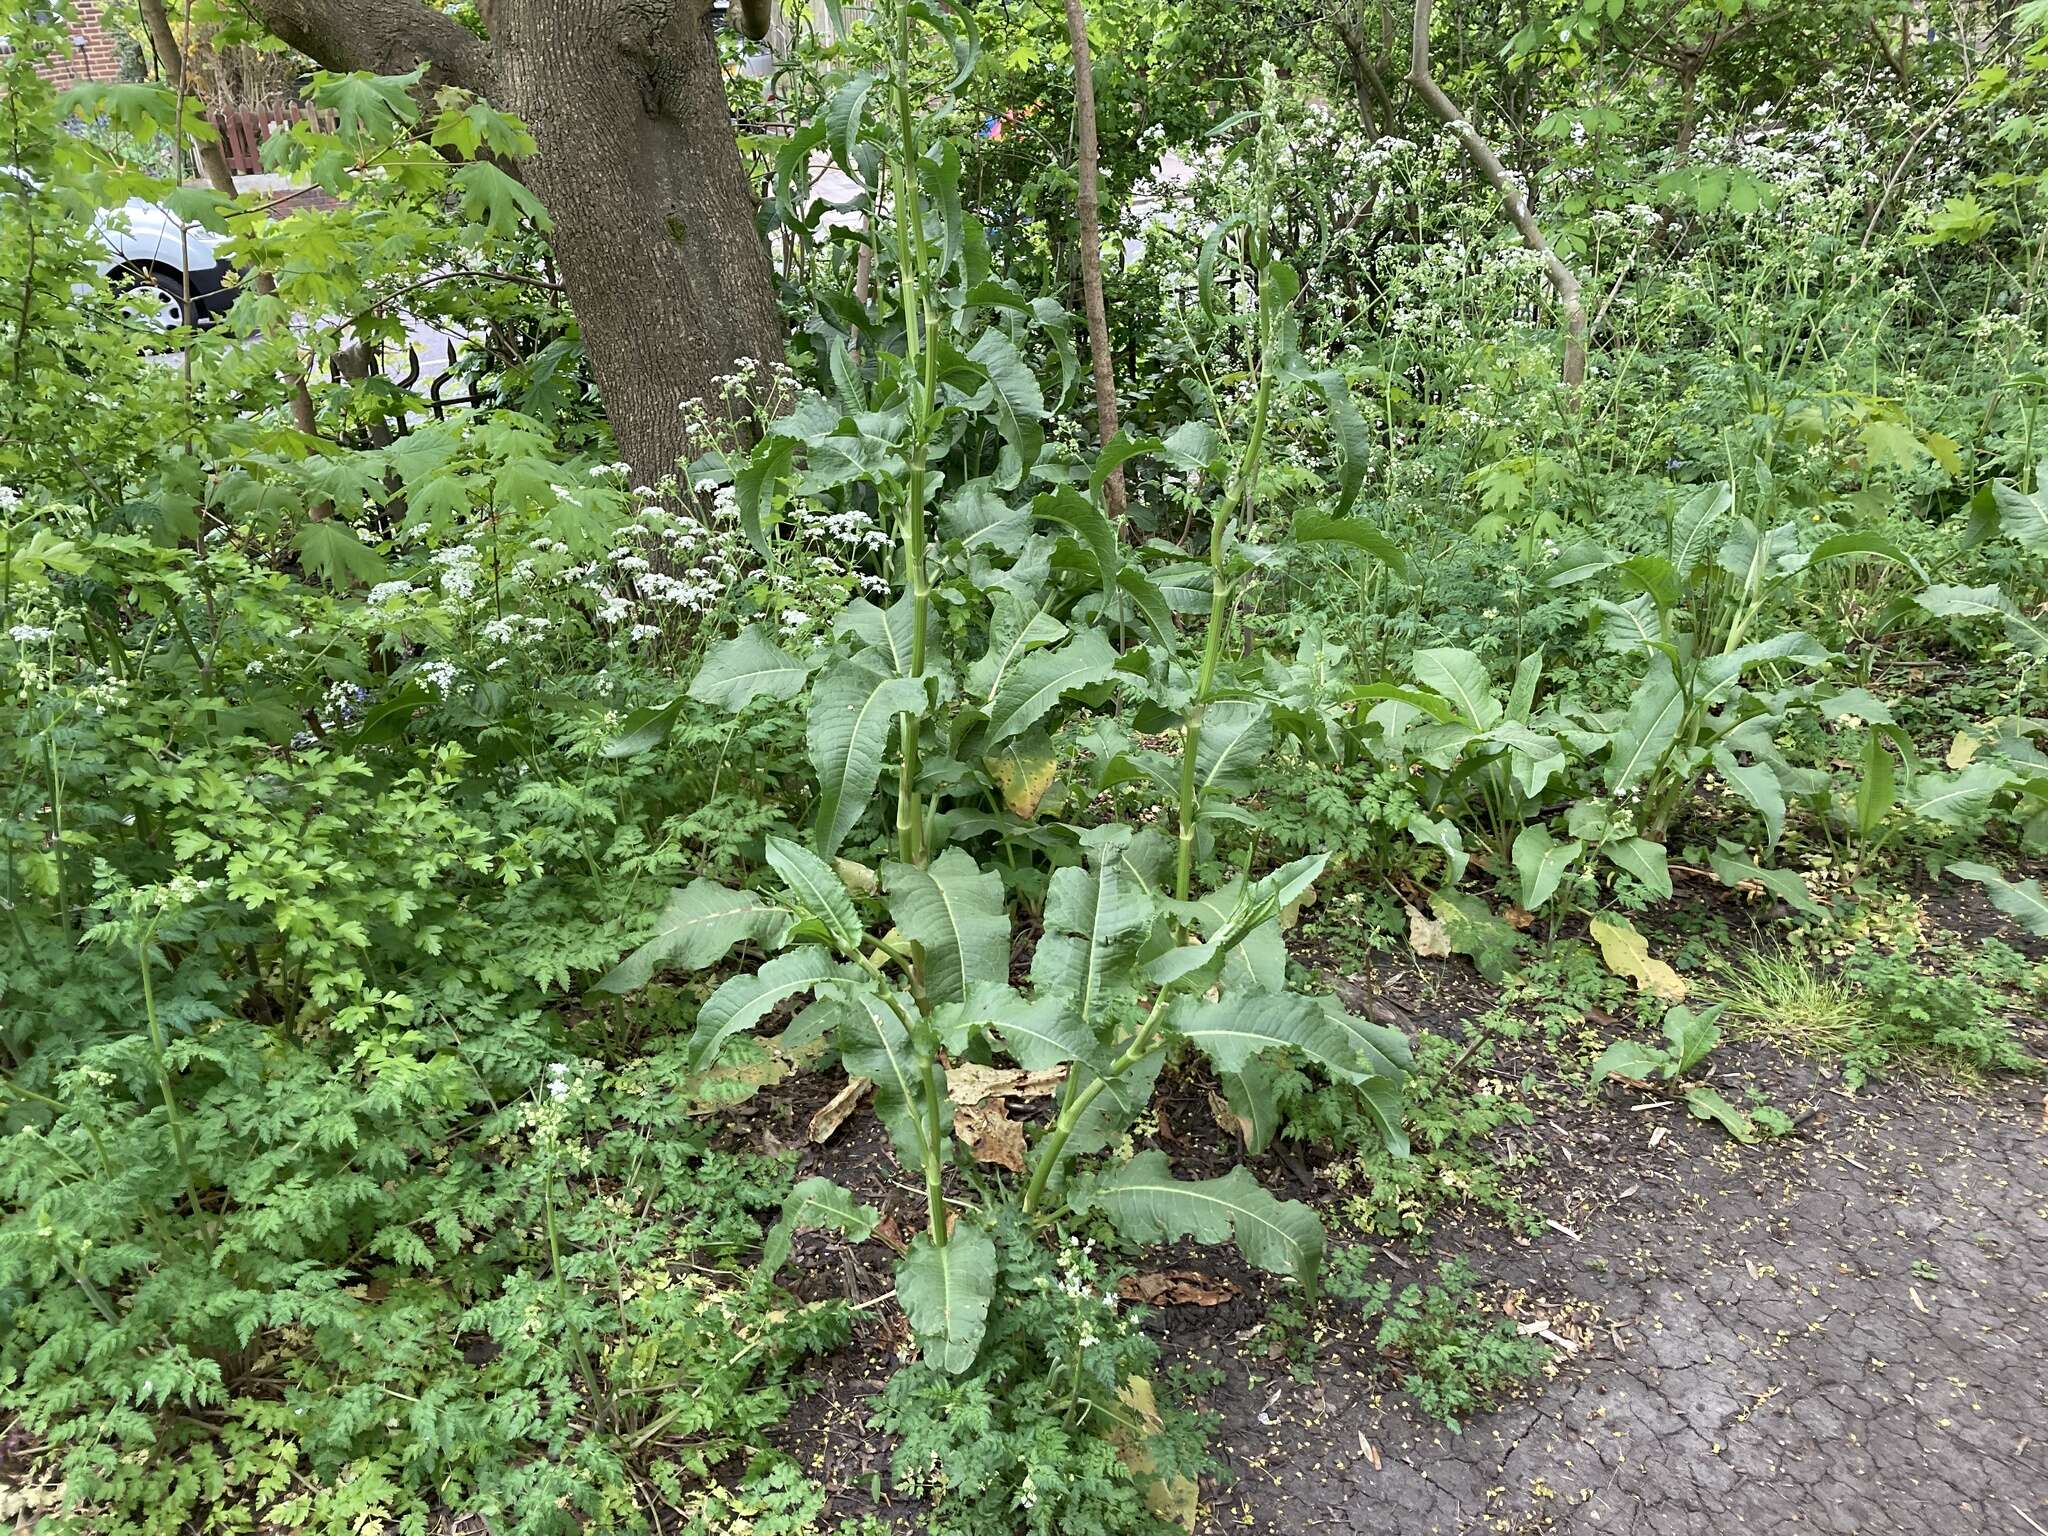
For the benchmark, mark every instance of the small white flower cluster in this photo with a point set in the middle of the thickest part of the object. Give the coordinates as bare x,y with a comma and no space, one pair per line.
515,627
30,634
459,570
437,675
390,592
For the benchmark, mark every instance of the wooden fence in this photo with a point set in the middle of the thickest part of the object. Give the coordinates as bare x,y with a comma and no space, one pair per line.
243,131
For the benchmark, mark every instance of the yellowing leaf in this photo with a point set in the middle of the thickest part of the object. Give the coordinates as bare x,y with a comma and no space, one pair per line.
1173,1498
1023,770
1627,953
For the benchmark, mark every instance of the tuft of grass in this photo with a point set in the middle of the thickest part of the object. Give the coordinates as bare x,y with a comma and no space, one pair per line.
1783,997
1881,1012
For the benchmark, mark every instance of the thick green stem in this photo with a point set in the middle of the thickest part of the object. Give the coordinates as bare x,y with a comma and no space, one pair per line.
919,360
932,1134
1076,1105
1235,504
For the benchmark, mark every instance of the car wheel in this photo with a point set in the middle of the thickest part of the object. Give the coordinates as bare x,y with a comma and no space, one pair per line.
166,312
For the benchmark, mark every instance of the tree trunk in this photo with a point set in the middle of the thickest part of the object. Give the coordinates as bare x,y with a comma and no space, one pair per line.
1563,281
1088,159
1373,100
653,217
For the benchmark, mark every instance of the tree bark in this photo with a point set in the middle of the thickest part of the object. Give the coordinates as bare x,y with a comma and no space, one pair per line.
636,163
1088,173
1374,103
1563,281
654,218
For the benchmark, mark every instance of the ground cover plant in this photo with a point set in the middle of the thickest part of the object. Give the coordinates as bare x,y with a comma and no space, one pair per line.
567,896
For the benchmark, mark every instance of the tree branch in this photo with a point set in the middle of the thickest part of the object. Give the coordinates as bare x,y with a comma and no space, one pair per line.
1375,105
754,17
1563,281
385,37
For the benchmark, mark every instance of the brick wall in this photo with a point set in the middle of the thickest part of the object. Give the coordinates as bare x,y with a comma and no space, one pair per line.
95,48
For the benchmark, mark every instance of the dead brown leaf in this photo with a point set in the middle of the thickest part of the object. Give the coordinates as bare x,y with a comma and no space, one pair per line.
837,1109
968,1084
1228,1120
1427,936
1176,1288
1521,919
990,1134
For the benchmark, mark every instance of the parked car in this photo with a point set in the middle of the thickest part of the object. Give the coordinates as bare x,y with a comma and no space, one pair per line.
147,249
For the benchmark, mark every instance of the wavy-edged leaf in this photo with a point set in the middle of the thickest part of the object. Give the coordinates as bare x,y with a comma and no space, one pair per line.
815,1205
1440,833
1235,735
1015,629
644,729
1629,1059
1039,1034
1038,682
1069,508
852,708
874,1044
2022,900
1648,729
1252,1098
890,632
755,482
1232,1030
843,114
1694,524
1018,402
1147,1204
1314,528
748,666
1541,862
1758,784
1787,886
743,1001
1956,799
1259,962
1117,1108
819,891
1644,859
955,910
1462,678
700,923
1107,912
1116,453
1149,601
2023,517
945,1293
1847,546
1354,453
1380,1049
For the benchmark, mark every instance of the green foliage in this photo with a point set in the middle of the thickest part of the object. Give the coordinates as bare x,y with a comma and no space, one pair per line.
416,839
1454,1362
1060,1428
1879,1011
1944,1016
1455,1112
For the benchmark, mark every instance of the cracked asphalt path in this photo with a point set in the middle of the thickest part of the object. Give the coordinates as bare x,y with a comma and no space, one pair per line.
1846,1332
